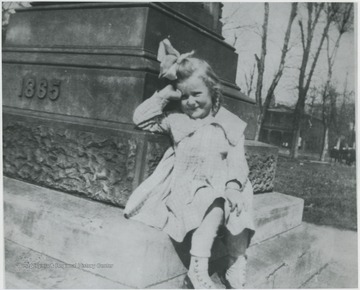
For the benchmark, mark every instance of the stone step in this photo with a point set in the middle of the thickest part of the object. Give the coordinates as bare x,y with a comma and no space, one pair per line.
28,269
289,260
276,213
75,230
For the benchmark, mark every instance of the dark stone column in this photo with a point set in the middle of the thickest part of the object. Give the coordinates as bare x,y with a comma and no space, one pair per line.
73,75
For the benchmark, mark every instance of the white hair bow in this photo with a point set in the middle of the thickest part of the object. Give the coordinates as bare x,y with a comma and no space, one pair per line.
169,59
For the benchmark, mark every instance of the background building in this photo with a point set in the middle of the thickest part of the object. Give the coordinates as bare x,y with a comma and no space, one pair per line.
278,128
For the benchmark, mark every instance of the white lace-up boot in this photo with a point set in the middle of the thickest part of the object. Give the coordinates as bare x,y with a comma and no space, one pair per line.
236,274
198,275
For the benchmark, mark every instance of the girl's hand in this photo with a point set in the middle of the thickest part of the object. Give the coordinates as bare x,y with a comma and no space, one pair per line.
236,202
170,93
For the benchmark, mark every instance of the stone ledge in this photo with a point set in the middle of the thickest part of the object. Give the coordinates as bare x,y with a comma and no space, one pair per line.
76,230
28,269
285,261
290,259
276,213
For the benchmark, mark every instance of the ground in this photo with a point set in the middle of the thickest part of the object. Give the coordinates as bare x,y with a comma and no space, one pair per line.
329,190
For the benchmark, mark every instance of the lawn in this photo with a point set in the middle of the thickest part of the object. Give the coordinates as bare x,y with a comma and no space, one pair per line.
329,190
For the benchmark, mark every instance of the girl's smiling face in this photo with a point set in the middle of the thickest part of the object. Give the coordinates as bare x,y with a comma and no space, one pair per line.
196,101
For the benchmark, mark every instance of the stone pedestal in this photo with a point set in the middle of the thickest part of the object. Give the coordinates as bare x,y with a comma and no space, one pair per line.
51,227
73,75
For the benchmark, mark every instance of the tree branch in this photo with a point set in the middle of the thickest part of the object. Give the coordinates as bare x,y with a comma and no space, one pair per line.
261,61
302,35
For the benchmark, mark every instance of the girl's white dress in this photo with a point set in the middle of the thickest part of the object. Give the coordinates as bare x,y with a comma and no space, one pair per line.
206,154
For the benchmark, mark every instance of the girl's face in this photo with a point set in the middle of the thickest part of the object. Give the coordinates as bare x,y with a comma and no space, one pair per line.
196,101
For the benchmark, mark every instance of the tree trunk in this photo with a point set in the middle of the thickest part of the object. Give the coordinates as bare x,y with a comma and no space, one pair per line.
329,101
304,83
325,146
270,93
261,68
298,116
294,152
258,126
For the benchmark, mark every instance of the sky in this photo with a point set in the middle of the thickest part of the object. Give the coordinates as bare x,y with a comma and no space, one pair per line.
250,17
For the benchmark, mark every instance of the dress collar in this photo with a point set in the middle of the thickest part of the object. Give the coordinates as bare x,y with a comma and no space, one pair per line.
232,125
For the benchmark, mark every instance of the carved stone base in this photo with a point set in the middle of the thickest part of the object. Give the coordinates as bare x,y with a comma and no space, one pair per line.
99,163
262,160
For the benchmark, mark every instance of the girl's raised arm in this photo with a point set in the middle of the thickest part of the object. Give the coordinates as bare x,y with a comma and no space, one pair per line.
149,115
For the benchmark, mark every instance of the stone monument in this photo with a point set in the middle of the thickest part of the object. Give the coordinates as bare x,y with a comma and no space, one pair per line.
73,73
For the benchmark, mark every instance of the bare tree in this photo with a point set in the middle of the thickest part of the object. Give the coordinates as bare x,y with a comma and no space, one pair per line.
249,80
343,117
346,111
314,11
329,114
261,61
342,14
345,124
232,26
278,74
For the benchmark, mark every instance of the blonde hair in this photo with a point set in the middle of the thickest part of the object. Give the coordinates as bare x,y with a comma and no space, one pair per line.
195,66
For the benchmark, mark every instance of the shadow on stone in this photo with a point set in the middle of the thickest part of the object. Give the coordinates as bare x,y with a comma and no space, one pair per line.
218,259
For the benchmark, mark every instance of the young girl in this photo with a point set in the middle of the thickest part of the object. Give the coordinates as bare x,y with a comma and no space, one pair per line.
201,182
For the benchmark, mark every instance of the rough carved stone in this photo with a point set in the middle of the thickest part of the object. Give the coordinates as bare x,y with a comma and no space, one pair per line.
154,153
262,170
101,167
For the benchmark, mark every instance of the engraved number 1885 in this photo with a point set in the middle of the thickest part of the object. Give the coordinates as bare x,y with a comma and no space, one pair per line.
44,88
